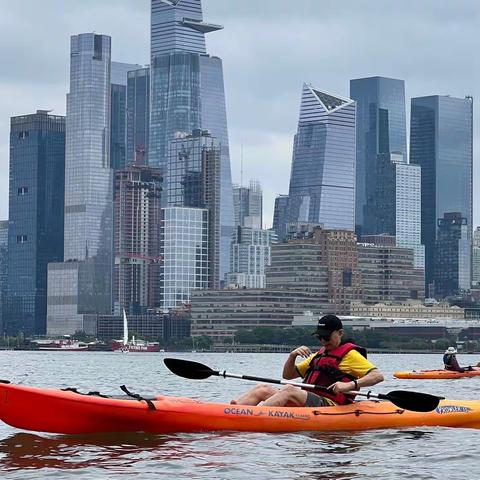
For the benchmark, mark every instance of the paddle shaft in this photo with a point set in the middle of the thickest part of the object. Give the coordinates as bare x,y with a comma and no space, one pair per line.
416,401
288,382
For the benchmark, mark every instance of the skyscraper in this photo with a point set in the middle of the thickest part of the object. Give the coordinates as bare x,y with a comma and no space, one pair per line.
184,243
138,116
322,182
388,187
248,205
81,287
453,251
395,207
137,239
251,250
36,200
441,143
187,93
193,180
280,214
381,131
118,78
3,269
408,223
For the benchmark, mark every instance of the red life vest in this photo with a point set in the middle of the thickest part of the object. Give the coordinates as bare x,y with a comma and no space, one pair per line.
323,371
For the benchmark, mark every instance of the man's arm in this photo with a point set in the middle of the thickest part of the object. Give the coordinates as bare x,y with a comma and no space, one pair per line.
289,370
371,378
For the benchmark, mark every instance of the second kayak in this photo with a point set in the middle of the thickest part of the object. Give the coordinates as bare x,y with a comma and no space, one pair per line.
437,374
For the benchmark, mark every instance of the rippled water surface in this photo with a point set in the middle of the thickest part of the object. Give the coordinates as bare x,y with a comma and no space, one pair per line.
420,453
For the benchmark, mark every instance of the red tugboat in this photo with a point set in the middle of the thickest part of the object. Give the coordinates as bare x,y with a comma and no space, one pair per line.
133,345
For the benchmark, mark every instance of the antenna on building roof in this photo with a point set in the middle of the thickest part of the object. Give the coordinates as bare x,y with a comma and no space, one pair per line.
241,164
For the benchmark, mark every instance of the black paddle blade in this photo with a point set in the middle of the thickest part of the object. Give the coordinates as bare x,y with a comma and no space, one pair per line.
414,401
188,369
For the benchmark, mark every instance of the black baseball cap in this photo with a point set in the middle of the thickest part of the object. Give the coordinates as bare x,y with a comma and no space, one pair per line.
328,324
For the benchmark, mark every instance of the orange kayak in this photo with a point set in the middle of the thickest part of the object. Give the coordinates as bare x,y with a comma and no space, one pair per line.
69,412
437,374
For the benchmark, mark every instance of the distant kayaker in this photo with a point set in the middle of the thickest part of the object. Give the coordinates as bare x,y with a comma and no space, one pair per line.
338,367
450,361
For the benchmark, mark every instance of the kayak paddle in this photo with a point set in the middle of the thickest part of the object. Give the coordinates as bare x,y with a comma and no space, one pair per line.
414,401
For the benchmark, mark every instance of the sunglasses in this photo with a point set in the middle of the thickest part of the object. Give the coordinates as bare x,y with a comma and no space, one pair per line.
325,337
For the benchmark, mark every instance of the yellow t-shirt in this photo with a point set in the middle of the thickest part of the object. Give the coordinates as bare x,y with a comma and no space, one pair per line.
353,363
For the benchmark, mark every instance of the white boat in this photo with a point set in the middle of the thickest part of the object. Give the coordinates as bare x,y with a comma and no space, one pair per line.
125,345
65,344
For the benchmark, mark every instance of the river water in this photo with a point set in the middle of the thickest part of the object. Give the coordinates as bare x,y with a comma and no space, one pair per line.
419,453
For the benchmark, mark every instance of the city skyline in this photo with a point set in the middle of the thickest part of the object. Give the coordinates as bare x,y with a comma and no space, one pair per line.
322,181
261,86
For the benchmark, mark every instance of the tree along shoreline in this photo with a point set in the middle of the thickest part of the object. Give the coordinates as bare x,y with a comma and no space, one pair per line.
272,348
272,339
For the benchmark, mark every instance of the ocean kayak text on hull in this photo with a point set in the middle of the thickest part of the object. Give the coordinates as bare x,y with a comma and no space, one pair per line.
70,412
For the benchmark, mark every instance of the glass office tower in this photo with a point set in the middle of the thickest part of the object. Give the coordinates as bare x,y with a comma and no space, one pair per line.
36,203
193,180
187,93
248,205
280,214
81,287
322,181
118,79
441,143
452,255
408,220
138,116
388,186
184,241
381,131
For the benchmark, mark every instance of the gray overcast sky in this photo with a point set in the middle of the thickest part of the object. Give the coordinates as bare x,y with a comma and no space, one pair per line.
269,48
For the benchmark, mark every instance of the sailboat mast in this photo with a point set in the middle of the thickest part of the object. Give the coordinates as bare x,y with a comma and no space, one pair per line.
125,328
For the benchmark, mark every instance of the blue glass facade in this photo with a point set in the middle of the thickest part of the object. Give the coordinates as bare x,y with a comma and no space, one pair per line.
138,116
83,285
381,131
441,143
36,196
169,31
88,173
322,182
280,213
119,72
117,139
175,101
452,249
187,93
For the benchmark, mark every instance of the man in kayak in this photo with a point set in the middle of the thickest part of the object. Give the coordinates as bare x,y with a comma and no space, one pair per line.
450,361
336,369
